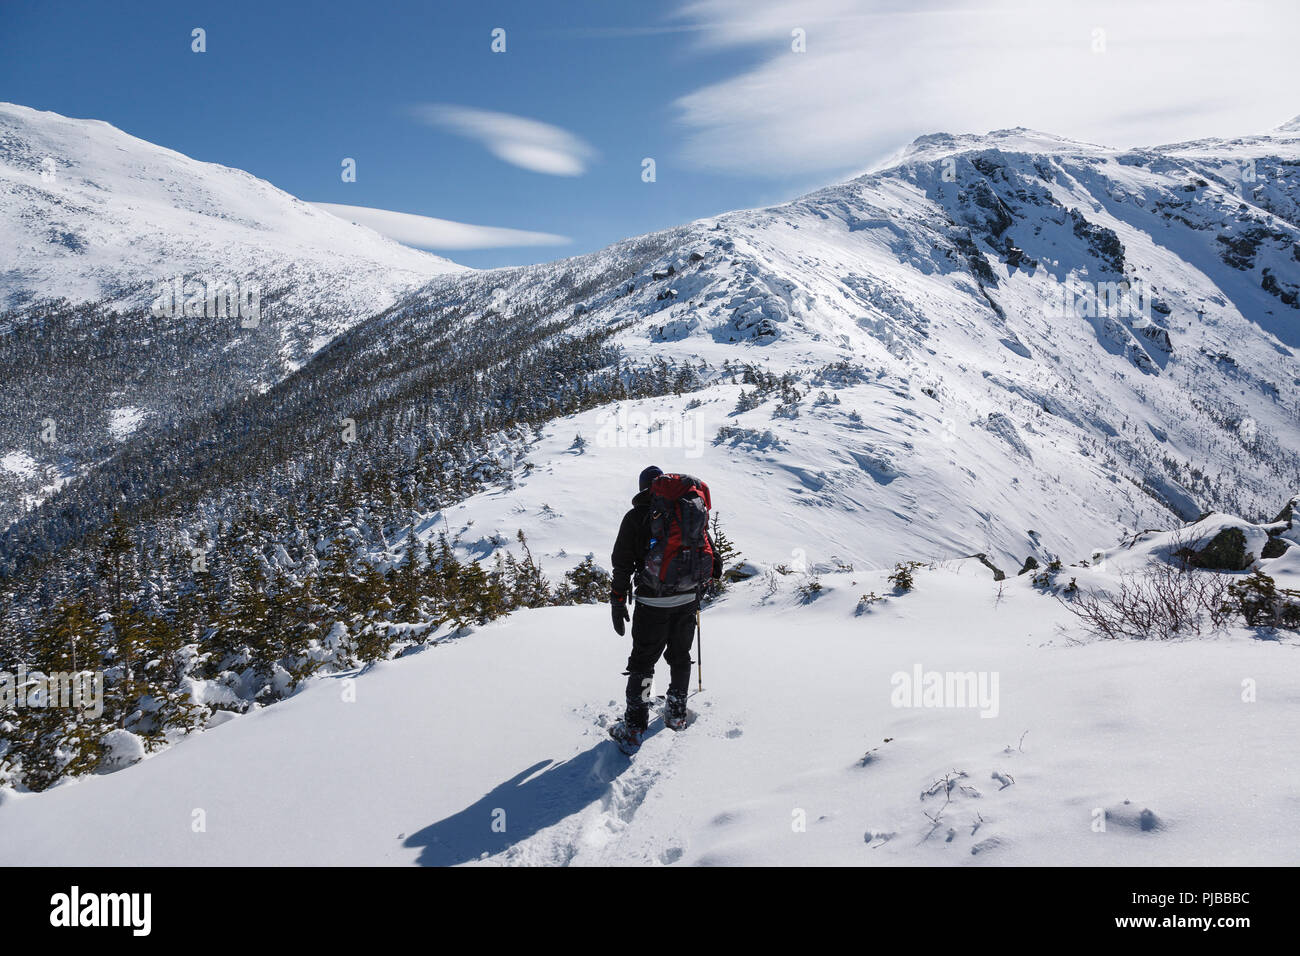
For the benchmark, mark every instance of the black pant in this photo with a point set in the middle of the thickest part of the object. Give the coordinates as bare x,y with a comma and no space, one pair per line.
666,632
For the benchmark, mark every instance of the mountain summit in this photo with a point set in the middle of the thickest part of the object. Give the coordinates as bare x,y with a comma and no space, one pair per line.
92,213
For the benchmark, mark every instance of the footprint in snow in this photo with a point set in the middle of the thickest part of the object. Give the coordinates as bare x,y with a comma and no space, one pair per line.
1129,816
671,855
878,838
733,733
992,843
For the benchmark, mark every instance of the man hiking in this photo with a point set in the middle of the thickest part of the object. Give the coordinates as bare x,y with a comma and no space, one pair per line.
663,542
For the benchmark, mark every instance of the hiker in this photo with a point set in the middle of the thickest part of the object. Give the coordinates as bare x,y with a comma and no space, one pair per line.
664,543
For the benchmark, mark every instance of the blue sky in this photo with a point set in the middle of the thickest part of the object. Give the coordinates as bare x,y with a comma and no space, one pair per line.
549,137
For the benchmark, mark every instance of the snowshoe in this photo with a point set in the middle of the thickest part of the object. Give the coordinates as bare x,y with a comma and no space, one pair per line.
626,736
675,717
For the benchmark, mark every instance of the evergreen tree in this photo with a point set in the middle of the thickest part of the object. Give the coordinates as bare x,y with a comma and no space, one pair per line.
585,584
528,585
444,574
469,597
408,586
67,640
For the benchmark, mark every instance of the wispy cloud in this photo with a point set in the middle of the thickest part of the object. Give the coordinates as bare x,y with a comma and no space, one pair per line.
1140,72
527,143
426,232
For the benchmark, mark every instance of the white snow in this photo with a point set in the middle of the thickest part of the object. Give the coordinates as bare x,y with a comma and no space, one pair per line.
434,746
91,212
414,759
19,463
123,422
984,410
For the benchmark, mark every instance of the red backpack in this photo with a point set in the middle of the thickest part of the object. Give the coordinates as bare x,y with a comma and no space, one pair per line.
679,555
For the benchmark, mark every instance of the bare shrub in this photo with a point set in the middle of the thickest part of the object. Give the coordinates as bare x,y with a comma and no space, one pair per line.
1162,602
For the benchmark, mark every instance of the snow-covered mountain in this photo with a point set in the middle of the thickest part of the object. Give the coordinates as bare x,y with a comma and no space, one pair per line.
90,213
222,285
1022,334
972,375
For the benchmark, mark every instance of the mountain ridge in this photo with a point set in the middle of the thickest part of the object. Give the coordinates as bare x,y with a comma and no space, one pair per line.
938,279
66,175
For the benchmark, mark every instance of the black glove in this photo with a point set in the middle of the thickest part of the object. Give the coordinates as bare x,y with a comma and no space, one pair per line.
618,607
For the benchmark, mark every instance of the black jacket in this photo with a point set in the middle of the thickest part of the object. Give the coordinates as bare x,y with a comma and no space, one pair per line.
634,540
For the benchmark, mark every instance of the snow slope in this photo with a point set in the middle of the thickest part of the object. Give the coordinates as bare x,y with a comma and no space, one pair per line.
410,761
986,410
418,765
92,213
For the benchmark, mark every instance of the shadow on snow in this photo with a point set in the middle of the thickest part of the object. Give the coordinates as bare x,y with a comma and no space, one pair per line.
532,800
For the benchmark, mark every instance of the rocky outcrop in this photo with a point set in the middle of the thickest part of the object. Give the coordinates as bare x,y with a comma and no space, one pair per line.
1102,242
1226,551
982,558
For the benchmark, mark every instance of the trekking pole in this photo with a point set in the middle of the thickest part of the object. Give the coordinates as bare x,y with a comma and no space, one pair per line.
699,652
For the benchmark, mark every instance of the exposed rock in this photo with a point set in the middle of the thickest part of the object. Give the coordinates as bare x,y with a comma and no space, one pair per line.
740,572
982,558
979,266
1270,285
1157,334
1240,249
1102,242
1015,257
1013,343
998,218
1226,551
1274,548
